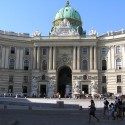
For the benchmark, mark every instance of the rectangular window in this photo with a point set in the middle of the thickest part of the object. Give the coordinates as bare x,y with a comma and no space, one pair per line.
119,89
25,79
10,78
26,51
84,51
44,51
10,89
104,50
118,78
12,51
118,49
103,79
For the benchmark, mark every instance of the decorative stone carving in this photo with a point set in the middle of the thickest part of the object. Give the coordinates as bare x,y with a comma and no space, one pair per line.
34,87
94,87
36,34
51,88
64,29
93,33
64,60
76,87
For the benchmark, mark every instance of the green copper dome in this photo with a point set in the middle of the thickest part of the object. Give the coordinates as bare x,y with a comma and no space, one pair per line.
67,22
69,13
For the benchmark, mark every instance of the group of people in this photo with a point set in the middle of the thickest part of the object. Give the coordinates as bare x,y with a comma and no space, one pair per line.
112,110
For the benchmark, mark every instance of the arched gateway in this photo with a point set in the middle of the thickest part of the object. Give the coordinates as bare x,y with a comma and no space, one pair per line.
64,80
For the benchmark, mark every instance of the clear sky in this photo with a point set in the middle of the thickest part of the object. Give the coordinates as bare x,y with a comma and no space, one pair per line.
26,16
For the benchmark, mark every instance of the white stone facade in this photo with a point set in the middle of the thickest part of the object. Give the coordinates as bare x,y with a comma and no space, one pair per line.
101,59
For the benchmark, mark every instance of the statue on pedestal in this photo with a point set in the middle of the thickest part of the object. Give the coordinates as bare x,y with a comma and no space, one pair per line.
76,89
34,87
94,88
50,89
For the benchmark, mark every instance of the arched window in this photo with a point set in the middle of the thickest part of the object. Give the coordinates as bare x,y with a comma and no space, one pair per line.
104,65
118,63
44,65
11,64
26,64
84,65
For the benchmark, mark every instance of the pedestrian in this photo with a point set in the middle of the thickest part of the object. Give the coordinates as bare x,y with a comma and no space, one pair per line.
106,103
113,111
109,111
92,111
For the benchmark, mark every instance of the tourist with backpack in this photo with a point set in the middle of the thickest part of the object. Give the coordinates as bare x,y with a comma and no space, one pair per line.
92,111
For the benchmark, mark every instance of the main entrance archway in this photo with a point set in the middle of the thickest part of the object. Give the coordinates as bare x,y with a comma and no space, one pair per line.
64,80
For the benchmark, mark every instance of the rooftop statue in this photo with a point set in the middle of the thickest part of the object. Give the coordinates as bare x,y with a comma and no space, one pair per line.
36,34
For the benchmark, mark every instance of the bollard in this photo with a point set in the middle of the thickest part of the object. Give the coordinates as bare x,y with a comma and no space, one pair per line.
60,104
5,106
30,107
80,107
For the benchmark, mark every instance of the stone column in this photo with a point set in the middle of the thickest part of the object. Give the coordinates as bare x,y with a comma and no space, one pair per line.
34,58
123,56
91,58
78,57
38,58
95,58
112,57
3,57
54,58
6,57
17,57
50,58
109,58
74,58
21,58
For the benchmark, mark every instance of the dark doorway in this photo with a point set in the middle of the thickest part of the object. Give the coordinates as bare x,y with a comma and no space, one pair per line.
64,78
24,90
42,90
85,89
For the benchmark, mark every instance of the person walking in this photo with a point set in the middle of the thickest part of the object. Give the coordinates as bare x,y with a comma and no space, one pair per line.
106,103
92,111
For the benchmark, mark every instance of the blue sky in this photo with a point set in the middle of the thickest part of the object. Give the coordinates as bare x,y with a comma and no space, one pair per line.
26,16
